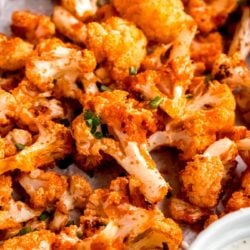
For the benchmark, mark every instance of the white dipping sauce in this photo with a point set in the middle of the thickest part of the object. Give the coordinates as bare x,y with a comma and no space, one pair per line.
243,244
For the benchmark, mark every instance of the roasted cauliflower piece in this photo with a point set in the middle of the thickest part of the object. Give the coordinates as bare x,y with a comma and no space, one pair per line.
162,24
53,142
231,70
16,213
43,188
42,239
129,125
80,190
240,199
16,140
241,39
69,26
32,27
5,191
58,66
82,9
210,15
156,86
202,177
33,103
206,49
185,212
8,110
196,129
118,41
14,53
125,226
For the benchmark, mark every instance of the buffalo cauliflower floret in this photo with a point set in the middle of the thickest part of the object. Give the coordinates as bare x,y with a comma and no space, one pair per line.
129,126
205,49
16,213
202,177
80,189
16,140
210,15
231,70
5,191
53,142
31,26
185,212
58,65
206,113
241,39
240,199
43,188
161,24
125,225
8,108
42,239
68,238
32,104
14,53
80,8
69,26
118,41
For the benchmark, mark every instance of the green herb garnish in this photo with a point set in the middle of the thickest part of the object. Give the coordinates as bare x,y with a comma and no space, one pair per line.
94,122
25,230
98,135
132,71
44,216
155,102
19,146
104,88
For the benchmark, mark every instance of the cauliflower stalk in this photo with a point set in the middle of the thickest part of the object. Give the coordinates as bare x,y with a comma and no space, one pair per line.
129,126
53,142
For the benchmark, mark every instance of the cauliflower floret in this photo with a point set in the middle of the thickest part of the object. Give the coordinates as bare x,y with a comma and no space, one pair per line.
42,239
155,58
80,189
31,26
210,15
43,188
54,142
58,65
205,115
241,40
81,8
16,213
8,108
162,24
185,212
231,70
152,84
68,238
202,180
69,26
202,177
32,103
118,41
14,52
129,126
126,225
5,191
16,140
205,49
240,199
